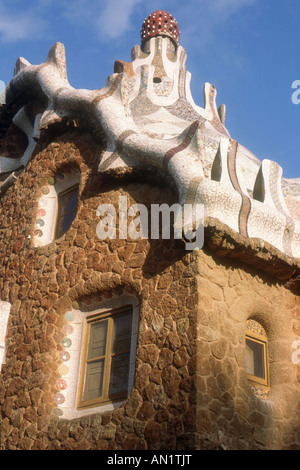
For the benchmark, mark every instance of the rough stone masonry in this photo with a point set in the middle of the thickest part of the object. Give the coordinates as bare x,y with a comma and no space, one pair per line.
142,137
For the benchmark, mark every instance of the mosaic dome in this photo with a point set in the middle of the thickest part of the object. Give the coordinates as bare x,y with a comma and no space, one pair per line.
158,23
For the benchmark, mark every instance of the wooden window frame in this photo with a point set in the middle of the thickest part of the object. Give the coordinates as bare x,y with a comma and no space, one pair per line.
264,342
60,214
109,315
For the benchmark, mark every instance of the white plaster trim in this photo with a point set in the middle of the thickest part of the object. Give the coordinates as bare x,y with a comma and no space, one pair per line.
4,315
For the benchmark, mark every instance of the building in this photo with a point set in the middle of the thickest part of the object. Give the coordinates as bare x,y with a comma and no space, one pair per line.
116,333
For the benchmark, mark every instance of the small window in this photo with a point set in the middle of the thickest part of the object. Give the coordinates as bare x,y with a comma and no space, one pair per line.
57,207
67,209
256,354
106,358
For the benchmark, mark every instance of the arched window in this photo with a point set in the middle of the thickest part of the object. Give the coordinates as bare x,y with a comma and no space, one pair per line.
57,207
257,366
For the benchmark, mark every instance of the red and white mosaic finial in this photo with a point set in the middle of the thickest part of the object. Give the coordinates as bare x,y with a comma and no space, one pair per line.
160,23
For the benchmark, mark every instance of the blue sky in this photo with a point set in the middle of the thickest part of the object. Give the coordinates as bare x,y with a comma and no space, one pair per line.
248,49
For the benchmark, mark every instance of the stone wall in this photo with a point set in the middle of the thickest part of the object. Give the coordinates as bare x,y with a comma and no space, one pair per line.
190,389
229,295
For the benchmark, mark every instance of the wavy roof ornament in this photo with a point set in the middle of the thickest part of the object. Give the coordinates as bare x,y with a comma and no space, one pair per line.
149,119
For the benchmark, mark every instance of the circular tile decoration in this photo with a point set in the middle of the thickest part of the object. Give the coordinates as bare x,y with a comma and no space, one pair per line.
41,212
43,202
59,398
63,369
45,190
40,223
66,342
68,329
38,233
51,180
65,356
69,316
58,412
61,384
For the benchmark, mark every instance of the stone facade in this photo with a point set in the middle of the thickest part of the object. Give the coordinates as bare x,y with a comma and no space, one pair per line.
190,389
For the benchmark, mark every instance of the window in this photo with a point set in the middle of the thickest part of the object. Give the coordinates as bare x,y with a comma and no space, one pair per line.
256,354
67,208
98,359
57,207
104,375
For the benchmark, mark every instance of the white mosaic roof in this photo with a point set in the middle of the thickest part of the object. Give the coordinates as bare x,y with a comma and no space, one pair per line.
149,119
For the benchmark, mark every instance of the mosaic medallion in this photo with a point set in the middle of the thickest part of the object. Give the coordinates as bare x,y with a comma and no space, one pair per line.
61,384
68,329
43,202
65,356
40,223
63,369
59,398
41,212
51,180
69,316
66,342
45,190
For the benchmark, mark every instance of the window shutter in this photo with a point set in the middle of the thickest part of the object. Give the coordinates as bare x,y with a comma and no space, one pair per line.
95,360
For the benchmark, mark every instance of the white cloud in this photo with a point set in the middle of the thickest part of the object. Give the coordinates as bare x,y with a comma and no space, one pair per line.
15,29
16,26
109,18
115,18
112,19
